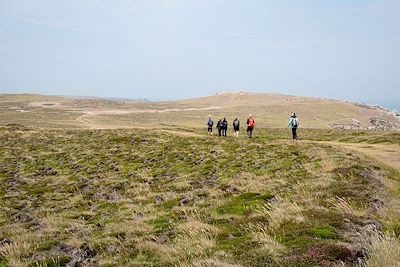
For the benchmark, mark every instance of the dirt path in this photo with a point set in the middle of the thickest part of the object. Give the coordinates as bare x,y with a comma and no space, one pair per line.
183,134
385,153
84,118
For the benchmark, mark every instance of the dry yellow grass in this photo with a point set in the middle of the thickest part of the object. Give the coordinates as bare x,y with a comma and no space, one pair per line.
164,253
342,205
195,238
249,182
17,251
214,262
283,211
260,234
383,250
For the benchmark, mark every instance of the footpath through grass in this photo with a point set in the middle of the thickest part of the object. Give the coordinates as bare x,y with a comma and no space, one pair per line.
143,198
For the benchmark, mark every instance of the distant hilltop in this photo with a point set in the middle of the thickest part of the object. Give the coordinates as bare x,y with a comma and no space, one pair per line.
230,91
243,92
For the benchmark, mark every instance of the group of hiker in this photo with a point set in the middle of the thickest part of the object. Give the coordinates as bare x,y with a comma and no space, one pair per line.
222,126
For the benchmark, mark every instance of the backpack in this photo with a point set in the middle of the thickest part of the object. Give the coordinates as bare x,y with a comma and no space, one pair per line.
210,123
236,123
295,122
251,123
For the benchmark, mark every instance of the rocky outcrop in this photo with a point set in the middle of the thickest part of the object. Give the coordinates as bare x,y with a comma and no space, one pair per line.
347,127
396,114
376,124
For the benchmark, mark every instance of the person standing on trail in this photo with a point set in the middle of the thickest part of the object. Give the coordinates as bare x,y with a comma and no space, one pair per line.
250,125
236,127
210,125
224,127
294,124
219,127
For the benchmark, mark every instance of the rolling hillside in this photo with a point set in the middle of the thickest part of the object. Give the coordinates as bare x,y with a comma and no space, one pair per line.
129,197
92,182
269,110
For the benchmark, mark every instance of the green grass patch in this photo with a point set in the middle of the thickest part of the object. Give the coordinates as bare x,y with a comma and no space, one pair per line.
244,203
324,232
47,245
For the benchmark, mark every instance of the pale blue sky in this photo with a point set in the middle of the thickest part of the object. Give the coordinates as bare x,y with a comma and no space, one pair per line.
170,49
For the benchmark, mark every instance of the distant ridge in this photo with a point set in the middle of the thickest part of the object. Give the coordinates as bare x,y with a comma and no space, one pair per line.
118,99
271,110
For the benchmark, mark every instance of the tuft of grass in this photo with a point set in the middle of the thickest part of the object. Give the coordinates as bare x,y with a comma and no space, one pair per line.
282,212
53,262
194,239
343,206
213,262
262,235
16,252
383,250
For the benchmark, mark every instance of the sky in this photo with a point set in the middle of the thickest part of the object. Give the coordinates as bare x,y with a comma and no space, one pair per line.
176,49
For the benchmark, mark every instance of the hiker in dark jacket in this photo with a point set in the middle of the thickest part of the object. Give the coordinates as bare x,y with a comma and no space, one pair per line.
294,124
250,126
210,125
224,127
219,127
236,126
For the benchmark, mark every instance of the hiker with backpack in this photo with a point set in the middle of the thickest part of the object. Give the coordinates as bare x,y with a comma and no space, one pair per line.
219,127
224,127
236,126
210,125
250,126
294,124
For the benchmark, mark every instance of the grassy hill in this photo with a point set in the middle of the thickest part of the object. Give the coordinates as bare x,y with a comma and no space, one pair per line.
131,197
269,110
94,182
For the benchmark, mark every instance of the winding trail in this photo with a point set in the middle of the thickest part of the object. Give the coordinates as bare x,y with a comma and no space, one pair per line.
83,119
388,154
183,134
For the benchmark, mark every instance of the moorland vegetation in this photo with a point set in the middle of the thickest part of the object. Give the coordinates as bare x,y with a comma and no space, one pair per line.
139,197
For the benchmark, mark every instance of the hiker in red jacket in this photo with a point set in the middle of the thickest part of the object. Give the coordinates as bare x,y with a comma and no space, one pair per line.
250,126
